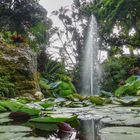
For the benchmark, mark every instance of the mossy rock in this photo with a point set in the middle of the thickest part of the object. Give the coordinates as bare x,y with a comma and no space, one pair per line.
19,65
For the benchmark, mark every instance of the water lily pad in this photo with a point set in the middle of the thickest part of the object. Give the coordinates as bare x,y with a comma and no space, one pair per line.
43,126
4,115
14,128
120,133
30,138
48,104
54,118
15,106
2,109
122,120
96,100
129,100
5,120
11,105
12,136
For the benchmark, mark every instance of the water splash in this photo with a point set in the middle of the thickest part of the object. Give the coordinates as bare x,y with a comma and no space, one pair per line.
91,69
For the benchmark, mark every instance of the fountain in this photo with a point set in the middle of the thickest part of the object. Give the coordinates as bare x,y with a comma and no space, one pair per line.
91,74
91,71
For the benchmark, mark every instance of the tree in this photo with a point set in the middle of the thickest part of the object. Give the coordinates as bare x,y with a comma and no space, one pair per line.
119,23
18,15
72,36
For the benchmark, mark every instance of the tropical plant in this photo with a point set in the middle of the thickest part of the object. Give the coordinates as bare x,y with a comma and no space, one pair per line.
37,35
131,87
117,70
49,68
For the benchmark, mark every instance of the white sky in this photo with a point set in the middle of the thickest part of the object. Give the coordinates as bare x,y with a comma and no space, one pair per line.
51,5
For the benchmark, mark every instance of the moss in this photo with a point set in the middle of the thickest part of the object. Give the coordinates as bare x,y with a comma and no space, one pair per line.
7,89
17,65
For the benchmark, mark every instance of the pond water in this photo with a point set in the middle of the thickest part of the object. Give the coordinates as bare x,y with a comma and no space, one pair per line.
109,122
20,130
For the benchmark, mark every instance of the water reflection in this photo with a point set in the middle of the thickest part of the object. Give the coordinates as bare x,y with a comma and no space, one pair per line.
88,130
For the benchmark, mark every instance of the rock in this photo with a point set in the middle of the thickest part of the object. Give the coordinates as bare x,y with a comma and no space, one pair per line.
39,95
18,65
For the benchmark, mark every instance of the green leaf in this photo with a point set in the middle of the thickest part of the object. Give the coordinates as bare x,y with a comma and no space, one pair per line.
130,88
75,123
64,93
54,85
55,118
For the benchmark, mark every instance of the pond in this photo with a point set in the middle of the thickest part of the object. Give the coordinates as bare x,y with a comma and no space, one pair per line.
100,122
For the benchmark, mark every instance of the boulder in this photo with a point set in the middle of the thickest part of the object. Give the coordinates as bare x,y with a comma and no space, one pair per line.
18,65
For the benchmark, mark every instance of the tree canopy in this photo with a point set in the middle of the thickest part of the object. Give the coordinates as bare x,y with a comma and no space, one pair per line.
18,15
119,22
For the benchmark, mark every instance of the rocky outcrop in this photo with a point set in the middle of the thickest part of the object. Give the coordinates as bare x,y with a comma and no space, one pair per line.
18,65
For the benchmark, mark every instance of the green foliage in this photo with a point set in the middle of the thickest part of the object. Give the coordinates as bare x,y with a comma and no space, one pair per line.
10,38
96,100
18,15
66,87
15,106
131,87
43,84
62,88
117,15
37,35
50,69
116,69
7,89
2,109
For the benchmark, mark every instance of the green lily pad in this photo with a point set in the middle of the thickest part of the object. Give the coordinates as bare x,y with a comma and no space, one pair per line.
129,100
96,100
75,123
30,111
15,106
4,115
120,133
5,120
43,126
48,104
12,136
14,128
54,118
2,109
30,138
12,105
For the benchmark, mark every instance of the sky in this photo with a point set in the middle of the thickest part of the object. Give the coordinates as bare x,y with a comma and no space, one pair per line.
51,5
